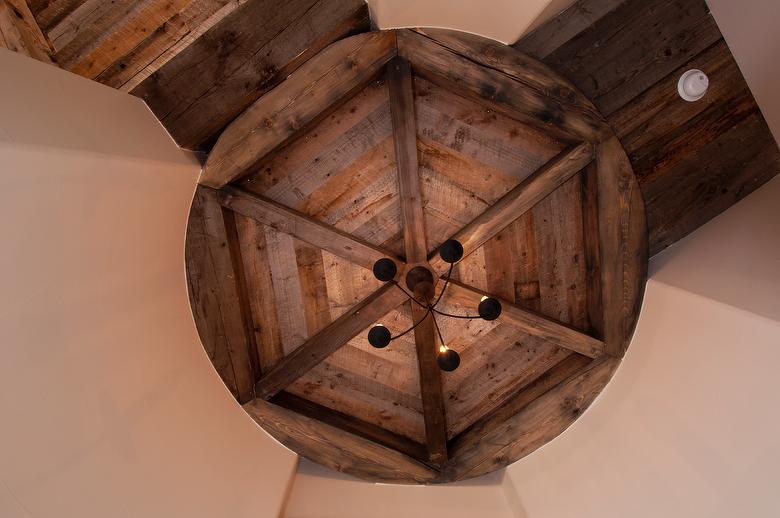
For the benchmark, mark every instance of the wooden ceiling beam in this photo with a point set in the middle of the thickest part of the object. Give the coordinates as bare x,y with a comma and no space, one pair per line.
288,221
622,243
332,447
328,340
351,425
310,92
555,399
399,81
20,32
529,322
519,200
518,94
431,389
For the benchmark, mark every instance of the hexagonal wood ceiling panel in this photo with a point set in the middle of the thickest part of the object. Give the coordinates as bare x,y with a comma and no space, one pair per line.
385,145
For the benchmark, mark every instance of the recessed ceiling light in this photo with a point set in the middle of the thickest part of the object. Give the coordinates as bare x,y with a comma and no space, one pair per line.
693,85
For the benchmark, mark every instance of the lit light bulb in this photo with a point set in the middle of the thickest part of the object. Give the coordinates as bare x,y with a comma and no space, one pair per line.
484,297
443,348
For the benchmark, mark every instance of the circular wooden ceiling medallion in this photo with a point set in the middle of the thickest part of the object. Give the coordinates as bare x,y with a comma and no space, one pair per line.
385,145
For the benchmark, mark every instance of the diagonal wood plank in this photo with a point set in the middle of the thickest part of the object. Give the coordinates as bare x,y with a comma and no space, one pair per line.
529,322
328,340
523,100
311,91
520,199
351,425
332,447
430,378
399,81
306,229
20,32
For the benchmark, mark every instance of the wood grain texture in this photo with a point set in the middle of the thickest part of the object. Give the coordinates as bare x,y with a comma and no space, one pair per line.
427,346
627,57
557,408
20,32
214,295
346,171
621,224
532,323
399,81
322,344
241,58
287,221
351,425
520,199
332,447
520,97
312,90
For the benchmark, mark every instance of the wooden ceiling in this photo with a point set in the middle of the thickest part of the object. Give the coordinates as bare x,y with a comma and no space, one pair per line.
199,64
383,146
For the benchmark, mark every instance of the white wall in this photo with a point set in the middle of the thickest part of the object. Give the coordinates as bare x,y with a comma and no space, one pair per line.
501,20
109,406
689,424
323,493
750,29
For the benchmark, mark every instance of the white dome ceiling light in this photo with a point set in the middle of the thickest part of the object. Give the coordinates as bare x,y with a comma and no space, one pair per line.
693,85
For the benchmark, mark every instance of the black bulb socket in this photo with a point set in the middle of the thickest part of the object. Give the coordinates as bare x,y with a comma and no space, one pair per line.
451,251
489,309
385,269
448,361
379,337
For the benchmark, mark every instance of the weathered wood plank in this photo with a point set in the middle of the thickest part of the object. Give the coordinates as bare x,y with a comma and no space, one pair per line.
351,425
707,182
311,273
322,344
620,217
399,82
20,32
592,253
530,322
520,199
471,437
334,448
578,17
288,303
557,408
238,60
288,221
522,97
430,377
214,293
313,89
632,47
100,43
261,295
48,13
165,42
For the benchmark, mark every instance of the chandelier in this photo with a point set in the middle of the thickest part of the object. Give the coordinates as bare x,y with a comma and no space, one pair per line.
420,280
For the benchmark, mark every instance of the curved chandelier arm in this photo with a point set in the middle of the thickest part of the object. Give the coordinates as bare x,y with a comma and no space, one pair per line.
467,317
436,324
415,325
446,282
411,297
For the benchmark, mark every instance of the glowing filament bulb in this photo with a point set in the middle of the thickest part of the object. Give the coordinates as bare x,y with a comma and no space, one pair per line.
483,298
443,348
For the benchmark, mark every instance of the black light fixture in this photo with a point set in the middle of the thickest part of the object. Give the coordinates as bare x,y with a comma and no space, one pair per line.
451,251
